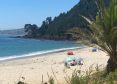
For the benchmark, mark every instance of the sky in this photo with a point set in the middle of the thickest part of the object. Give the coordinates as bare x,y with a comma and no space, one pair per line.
15,14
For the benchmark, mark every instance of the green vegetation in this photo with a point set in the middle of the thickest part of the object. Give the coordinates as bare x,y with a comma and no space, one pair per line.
57,28
90,76
51,80
104,31
31,30
96,78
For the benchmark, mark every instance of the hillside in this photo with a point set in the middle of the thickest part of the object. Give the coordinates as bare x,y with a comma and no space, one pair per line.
58,27
65,21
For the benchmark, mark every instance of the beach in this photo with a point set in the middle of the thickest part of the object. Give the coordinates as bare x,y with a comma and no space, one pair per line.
35,69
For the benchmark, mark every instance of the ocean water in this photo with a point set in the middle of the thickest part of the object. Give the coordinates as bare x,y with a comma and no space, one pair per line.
19,47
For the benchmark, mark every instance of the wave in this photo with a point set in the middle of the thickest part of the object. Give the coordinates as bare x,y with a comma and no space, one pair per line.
37,53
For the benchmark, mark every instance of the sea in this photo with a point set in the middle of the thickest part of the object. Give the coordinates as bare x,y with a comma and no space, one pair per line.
11,48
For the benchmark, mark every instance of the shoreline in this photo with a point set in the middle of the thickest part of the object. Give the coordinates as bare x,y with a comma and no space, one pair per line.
39,54
32,68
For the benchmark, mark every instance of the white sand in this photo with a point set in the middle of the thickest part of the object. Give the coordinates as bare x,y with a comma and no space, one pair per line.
32,69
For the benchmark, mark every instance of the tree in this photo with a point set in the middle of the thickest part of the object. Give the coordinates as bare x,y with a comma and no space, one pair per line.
48,20
59,25
104,31
27,29
31,30
34,30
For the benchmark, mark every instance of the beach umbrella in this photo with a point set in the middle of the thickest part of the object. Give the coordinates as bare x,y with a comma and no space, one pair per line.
69,53
68,59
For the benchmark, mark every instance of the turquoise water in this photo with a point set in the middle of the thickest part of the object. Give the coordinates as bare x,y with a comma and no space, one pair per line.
15,47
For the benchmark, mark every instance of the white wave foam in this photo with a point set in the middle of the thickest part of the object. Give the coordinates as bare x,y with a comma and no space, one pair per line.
37,53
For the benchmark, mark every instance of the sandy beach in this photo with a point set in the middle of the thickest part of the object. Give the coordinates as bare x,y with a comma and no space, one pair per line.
32,69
